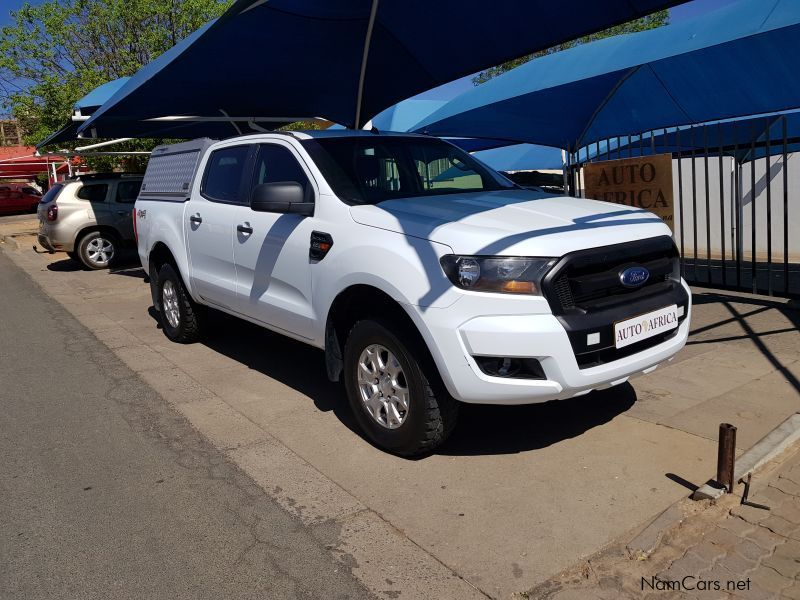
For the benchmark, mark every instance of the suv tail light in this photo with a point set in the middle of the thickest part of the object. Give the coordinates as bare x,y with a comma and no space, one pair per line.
135,230
52,212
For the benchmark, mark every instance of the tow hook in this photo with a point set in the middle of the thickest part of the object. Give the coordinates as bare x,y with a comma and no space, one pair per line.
36,249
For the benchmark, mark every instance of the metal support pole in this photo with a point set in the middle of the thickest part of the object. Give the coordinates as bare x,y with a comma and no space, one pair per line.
785,166
726,455
708,204
722,208
768,176
694,204
753,272
737,201
680,192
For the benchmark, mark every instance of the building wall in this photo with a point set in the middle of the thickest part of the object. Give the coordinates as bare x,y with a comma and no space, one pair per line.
10,133
721,211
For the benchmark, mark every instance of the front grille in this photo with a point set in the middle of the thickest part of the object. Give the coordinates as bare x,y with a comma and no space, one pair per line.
589,280
586,295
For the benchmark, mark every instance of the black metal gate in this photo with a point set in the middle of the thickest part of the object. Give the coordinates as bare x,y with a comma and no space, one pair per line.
736,210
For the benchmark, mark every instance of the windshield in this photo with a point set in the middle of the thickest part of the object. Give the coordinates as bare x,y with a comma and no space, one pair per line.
368,170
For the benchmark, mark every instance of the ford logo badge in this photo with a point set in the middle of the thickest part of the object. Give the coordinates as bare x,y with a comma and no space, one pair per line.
633,277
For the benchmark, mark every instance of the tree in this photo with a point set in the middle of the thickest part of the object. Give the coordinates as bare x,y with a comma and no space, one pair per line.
58,51
652,21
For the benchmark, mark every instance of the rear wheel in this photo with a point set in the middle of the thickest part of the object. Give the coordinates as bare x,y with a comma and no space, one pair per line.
400,407
179,315
98,250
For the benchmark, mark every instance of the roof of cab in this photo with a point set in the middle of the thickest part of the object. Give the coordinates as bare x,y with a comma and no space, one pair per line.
334,133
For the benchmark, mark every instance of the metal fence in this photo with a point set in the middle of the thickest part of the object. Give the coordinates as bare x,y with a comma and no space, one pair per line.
737,214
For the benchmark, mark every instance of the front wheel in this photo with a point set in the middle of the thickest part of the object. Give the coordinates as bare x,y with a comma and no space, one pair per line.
390,394
179,315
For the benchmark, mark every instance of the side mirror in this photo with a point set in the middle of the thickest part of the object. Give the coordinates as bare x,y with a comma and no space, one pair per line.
281,197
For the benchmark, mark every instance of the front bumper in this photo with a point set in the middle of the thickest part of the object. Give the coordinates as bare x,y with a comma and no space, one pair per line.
455,335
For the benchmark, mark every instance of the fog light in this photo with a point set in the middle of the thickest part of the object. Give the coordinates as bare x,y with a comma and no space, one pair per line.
511,367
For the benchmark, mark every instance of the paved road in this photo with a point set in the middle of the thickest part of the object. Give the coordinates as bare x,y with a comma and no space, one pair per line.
106,492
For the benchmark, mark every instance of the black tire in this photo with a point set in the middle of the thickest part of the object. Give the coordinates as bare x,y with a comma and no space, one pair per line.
432,412
89,244
187,329
74,256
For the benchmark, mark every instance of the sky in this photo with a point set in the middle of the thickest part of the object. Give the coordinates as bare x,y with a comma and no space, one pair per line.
450,90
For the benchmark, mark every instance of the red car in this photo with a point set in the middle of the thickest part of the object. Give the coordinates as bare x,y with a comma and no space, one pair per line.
15,200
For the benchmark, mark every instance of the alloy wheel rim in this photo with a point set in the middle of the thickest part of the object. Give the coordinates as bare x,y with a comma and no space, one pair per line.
383,386
100,251
169,300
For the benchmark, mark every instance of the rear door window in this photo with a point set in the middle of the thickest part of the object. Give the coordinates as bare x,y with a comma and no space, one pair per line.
93,192
127,192
223,179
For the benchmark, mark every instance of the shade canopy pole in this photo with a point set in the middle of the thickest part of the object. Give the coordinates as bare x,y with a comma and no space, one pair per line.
364,58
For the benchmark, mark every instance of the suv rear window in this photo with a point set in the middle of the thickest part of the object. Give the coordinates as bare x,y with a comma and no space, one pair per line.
94,192
223,178
51,193
127,191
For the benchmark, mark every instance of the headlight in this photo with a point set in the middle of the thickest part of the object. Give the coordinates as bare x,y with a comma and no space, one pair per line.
506,274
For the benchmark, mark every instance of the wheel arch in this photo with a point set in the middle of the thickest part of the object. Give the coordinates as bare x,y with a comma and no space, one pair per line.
84,231
363,301
159,255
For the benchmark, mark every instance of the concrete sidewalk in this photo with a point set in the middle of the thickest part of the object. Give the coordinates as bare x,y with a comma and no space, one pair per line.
726,551
517,494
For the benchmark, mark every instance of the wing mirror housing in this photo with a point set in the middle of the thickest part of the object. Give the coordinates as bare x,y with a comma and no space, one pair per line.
281,197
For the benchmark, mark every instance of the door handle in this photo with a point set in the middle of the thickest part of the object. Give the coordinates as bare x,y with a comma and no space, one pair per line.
245,228
123,212
196,219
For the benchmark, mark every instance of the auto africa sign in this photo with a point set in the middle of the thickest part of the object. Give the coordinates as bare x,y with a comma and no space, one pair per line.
644,182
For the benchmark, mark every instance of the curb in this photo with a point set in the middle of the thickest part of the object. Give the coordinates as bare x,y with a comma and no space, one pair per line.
771,445
11,241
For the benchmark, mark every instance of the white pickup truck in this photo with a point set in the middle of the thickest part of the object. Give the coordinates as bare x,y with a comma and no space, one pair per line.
426,278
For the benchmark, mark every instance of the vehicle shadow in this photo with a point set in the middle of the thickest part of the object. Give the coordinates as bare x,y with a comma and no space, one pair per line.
293,363
486,429
481,430
127,264
740,310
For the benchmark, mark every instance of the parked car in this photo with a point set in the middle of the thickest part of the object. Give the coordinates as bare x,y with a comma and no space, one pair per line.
90,217
17,200
425,277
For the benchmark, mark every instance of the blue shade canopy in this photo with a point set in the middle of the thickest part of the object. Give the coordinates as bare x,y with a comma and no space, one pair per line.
405,115
344,61
743,138
521,157
739,60
99,95
85,106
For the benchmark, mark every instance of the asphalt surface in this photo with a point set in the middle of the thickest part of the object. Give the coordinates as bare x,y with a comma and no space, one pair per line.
106,492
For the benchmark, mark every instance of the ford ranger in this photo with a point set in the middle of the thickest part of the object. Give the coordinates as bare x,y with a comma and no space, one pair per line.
427,278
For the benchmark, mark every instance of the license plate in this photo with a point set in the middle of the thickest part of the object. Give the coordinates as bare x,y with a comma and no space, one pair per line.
645,326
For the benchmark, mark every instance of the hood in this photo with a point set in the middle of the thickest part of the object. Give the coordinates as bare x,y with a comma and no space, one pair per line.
512,222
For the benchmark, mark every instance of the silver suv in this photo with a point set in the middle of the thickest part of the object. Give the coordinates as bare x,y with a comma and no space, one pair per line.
90,217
